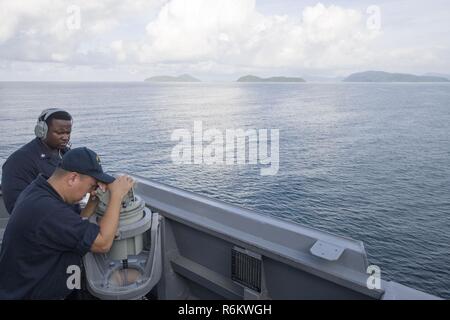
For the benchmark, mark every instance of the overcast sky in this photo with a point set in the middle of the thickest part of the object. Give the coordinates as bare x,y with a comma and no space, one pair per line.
129,40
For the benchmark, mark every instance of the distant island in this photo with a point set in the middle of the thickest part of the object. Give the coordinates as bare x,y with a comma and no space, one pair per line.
181,78
251,78
380,76
441,75
329,79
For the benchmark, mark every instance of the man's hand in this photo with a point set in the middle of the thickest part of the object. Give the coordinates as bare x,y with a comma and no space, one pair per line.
102,186
93,201
91,205
120,187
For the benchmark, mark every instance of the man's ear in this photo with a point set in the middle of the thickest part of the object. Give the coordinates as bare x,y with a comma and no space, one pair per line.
72,178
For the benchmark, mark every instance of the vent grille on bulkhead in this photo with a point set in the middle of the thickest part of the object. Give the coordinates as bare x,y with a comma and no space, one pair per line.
246,268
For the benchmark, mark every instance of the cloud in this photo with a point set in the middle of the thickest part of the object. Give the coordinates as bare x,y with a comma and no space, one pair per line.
233,32
67,31
205,36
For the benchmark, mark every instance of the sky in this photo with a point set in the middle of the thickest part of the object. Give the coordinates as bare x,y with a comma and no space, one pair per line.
219,40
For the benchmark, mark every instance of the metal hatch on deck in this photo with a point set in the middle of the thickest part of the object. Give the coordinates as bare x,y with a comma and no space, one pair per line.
326,250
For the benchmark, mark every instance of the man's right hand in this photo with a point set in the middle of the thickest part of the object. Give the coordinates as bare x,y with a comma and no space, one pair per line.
120,187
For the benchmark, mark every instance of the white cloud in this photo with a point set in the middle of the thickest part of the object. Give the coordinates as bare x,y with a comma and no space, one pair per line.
40,30
233,32
205,36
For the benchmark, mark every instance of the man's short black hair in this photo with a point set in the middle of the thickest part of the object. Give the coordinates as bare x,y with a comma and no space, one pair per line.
60,115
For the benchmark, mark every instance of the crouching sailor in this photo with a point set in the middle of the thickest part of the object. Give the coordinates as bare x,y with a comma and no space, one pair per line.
45,237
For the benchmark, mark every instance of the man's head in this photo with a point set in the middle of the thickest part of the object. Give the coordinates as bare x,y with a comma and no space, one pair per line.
76,185
80,173
54,127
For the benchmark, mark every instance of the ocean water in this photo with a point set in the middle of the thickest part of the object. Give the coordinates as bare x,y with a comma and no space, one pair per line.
366,161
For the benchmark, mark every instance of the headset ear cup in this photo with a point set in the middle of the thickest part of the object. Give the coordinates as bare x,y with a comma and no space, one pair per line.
41,129
44,129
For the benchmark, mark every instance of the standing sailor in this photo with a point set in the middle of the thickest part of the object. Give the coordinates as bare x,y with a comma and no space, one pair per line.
42,155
